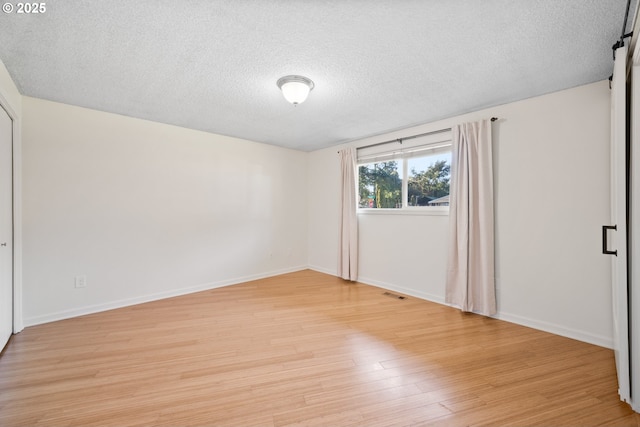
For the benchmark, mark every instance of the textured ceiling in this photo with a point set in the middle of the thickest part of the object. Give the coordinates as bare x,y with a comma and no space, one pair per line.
377,65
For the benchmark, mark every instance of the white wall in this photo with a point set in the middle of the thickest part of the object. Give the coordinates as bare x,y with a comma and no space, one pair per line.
147,210
8,89
551,160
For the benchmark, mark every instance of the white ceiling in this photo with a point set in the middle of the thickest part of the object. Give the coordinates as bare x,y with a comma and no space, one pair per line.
377,65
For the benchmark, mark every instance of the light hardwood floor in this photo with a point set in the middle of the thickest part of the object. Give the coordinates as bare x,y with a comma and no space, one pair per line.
302,349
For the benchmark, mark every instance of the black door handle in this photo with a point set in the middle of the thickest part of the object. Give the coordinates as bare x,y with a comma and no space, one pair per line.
604,239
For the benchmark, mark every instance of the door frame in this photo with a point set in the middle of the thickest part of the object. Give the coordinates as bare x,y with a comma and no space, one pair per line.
18,324
634,218
619,264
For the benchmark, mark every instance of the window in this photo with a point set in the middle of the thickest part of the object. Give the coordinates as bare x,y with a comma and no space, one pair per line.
380,185
428,180
414,177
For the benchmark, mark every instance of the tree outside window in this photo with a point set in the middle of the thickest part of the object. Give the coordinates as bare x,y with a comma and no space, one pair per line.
428,185
380,185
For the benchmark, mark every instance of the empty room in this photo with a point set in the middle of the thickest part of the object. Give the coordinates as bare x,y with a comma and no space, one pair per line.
320,213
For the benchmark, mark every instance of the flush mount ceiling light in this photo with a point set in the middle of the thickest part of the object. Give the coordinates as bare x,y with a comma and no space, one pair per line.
295,88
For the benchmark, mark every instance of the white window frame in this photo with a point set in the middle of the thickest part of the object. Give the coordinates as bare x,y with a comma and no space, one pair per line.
414,148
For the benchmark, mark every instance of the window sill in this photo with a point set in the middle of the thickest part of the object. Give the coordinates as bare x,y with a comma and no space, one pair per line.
435,211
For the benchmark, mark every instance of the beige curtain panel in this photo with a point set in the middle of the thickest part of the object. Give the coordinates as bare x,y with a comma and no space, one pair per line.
470,267
348,249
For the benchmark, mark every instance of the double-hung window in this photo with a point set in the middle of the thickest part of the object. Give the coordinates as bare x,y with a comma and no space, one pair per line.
412,176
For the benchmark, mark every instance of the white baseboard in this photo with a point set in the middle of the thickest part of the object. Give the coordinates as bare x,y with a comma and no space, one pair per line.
384,285
323,270
583,336
91,309
411,292
599,340
575,334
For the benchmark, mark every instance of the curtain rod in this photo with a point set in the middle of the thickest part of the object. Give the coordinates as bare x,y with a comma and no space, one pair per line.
399,140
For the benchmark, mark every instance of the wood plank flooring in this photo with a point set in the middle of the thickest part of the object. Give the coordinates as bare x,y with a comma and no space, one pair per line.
303,349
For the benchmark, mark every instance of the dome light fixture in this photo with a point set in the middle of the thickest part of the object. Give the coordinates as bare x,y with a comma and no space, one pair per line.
295,88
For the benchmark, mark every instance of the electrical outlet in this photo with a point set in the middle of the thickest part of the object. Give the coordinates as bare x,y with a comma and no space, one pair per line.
81,281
